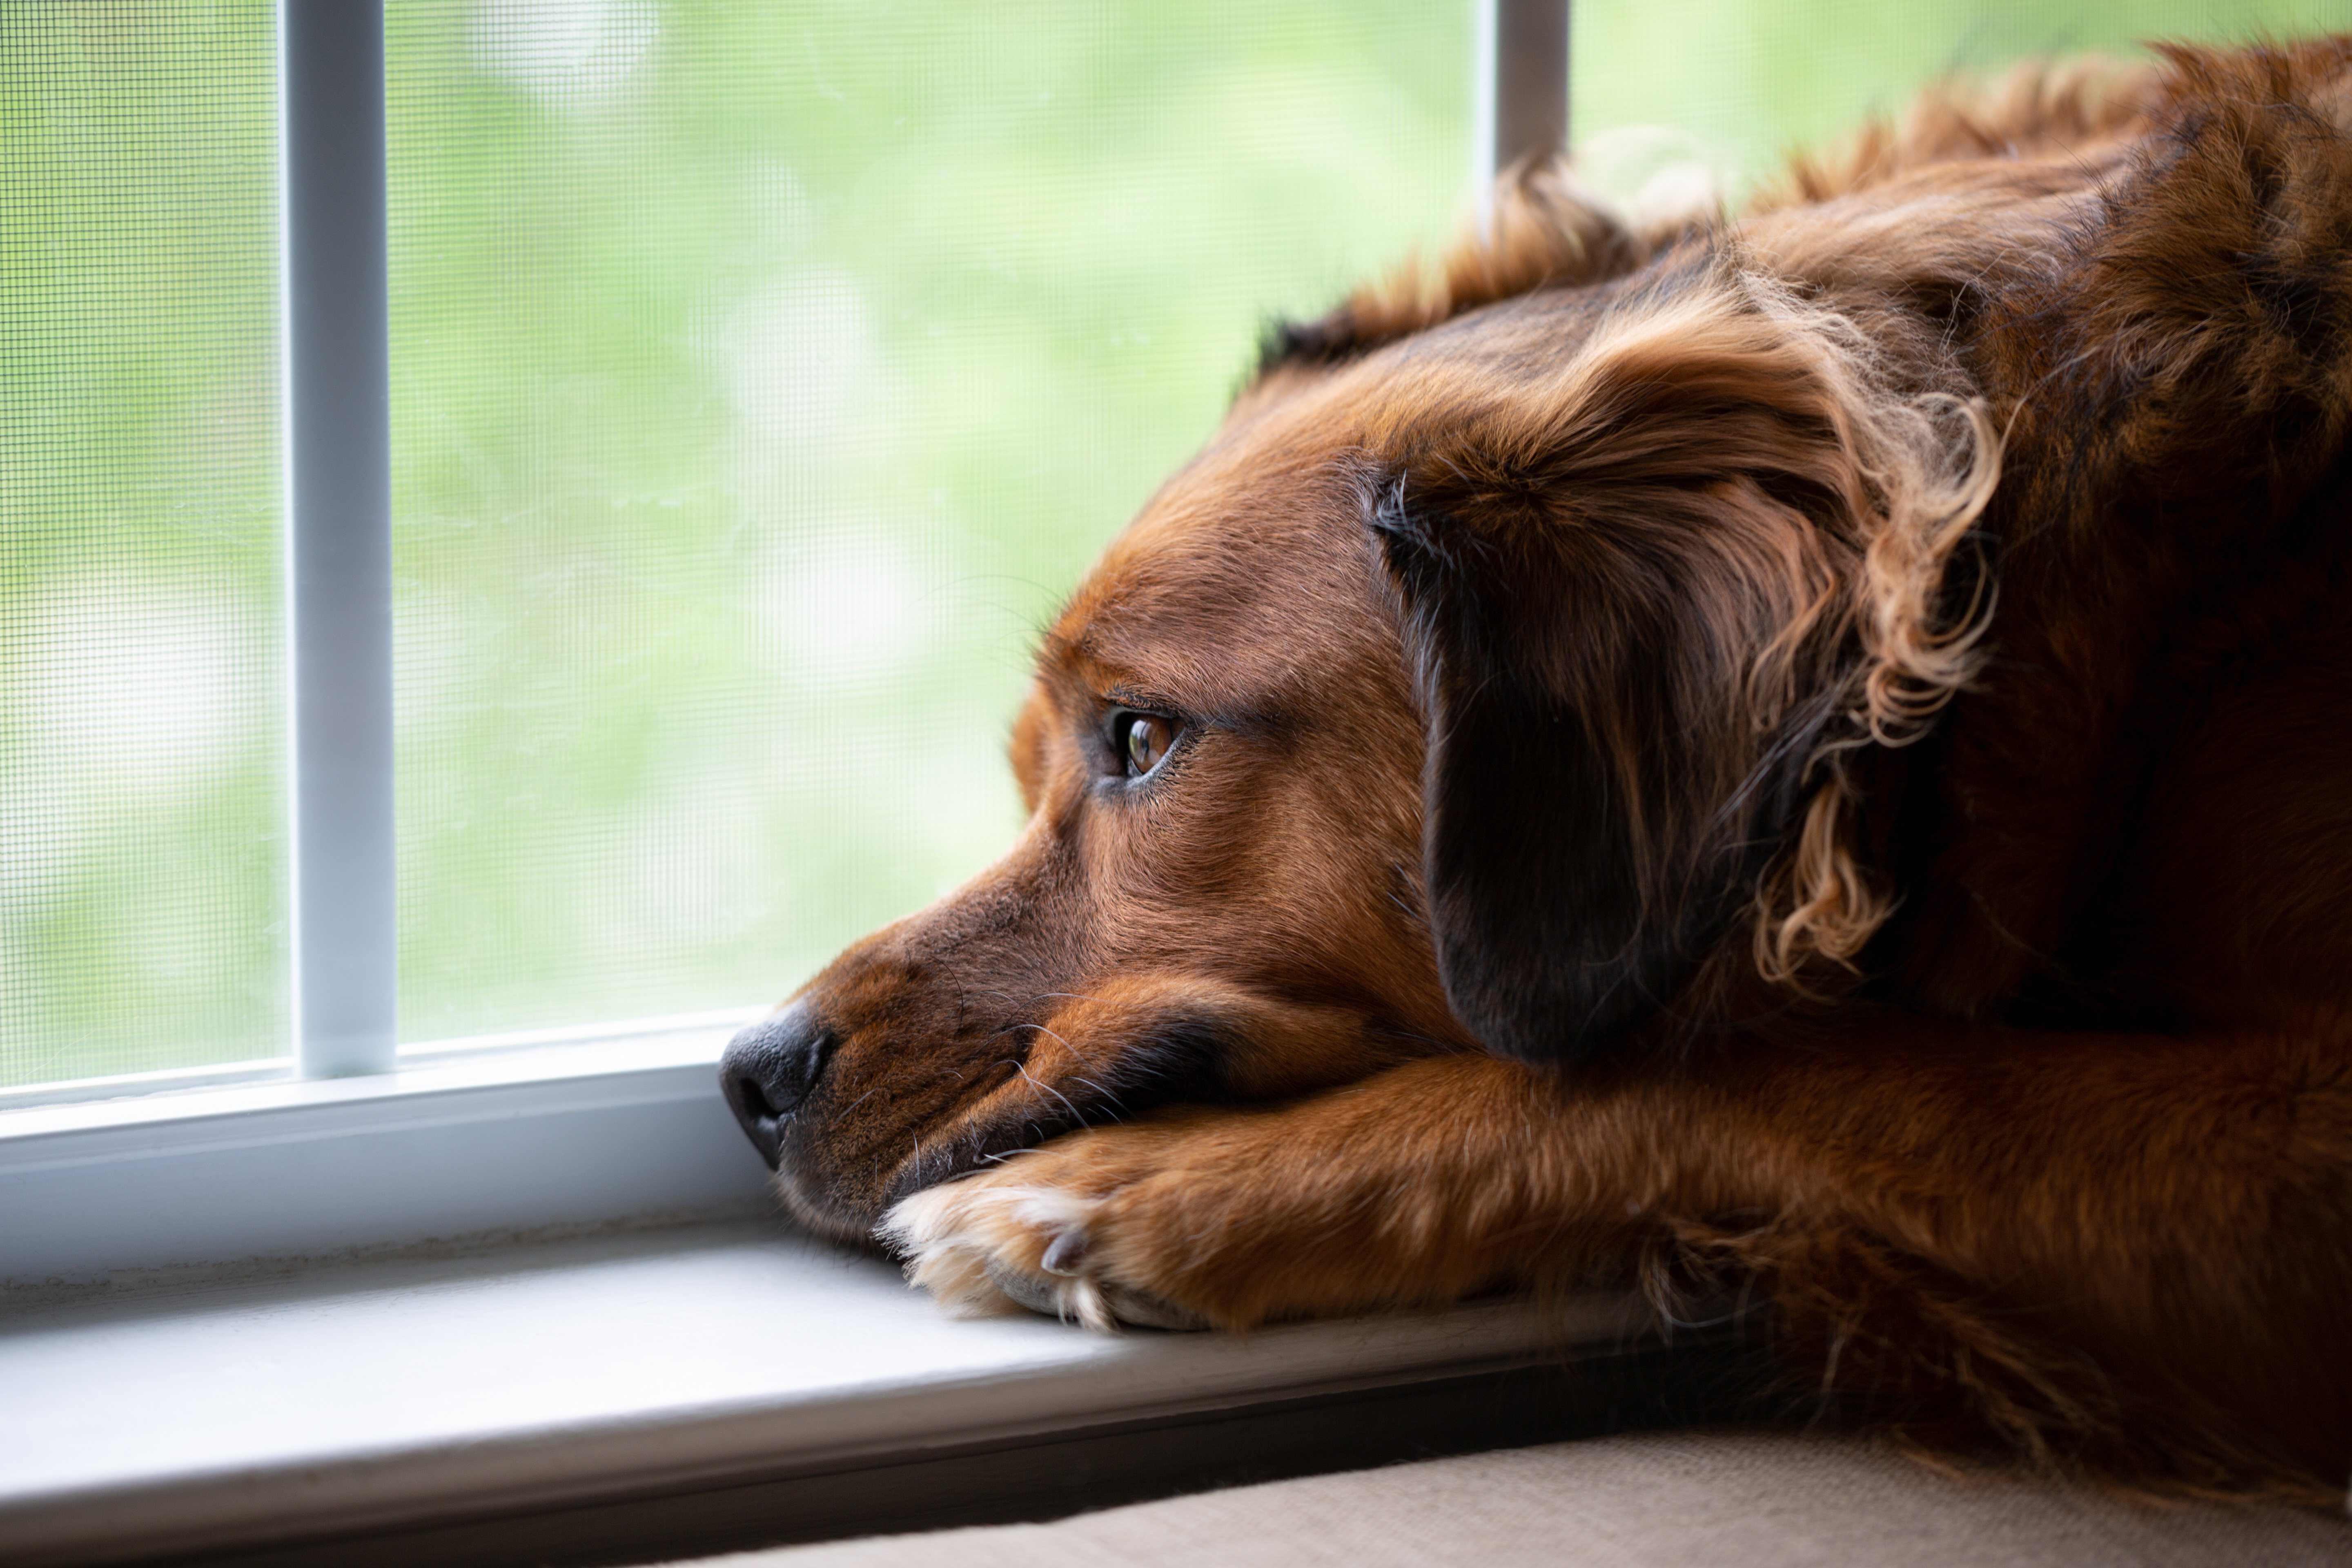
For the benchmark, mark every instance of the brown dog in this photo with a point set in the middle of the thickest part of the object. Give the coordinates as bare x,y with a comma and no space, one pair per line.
1815,750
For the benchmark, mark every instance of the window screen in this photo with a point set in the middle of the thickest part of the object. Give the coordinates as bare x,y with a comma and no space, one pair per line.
763,375
142,790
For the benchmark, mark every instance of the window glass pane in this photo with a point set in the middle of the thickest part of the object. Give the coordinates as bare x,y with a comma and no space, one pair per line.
761,376
1733,85
142,791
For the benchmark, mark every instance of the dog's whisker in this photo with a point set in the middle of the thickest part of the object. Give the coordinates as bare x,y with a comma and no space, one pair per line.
1075,1114
1065,1044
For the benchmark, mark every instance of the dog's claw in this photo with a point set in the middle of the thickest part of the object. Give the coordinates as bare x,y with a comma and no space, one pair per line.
1126,1307
1068,1253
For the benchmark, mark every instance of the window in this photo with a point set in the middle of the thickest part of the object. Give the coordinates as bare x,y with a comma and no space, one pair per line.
758,378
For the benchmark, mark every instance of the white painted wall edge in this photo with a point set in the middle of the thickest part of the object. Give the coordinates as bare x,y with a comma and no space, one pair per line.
585,1132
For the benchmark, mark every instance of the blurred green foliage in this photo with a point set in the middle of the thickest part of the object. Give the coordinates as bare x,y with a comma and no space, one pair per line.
763,374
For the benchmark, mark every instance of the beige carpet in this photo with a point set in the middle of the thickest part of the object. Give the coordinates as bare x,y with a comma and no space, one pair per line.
1669,1500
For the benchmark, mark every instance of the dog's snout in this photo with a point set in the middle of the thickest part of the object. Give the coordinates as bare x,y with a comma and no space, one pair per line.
769,1070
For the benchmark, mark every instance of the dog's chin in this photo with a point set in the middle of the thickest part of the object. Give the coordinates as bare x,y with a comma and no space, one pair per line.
828,1206
824,1204
823,1214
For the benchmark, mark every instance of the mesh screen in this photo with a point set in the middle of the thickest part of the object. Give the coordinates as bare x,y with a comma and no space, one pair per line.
763,375
1667,88
141,783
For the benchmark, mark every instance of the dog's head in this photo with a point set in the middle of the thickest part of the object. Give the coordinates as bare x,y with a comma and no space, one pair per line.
1218,894
1483,684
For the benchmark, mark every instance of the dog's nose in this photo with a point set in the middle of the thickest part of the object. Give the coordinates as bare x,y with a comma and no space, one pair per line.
767,1069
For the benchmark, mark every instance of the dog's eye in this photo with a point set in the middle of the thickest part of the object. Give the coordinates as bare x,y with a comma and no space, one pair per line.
1144,739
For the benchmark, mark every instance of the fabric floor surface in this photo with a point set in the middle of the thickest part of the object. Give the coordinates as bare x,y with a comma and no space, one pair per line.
1672,1500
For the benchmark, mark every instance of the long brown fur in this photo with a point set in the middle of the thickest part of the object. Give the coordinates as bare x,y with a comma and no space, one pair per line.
1811,752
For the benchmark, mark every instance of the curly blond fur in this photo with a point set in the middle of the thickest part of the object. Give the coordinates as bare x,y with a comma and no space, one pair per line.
1840,483
1929,463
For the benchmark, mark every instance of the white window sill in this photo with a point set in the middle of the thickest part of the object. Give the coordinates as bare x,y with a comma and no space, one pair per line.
369,1396
225,1325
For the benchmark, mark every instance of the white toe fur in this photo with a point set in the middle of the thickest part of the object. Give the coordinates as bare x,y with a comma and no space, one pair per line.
967,1242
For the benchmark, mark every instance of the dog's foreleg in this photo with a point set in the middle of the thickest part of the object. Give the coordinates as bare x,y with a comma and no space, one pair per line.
2065,1237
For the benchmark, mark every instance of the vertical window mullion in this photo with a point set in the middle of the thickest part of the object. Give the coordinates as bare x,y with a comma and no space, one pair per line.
338,532
1520,88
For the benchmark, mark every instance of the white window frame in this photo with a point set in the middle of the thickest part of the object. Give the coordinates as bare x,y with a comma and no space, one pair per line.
356,1142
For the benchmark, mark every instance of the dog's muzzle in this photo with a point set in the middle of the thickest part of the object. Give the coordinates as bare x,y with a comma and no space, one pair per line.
770,1069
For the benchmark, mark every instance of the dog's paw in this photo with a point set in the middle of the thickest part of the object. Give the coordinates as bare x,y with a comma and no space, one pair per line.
993,1243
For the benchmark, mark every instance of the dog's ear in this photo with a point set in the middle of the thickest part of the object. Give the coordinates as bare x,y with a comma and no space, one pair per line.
1649,597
